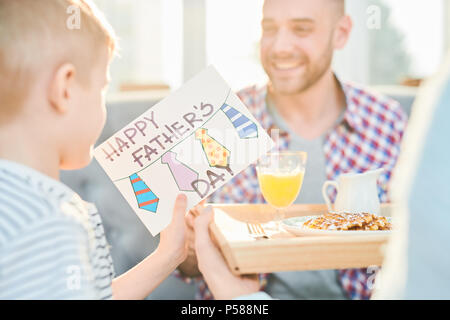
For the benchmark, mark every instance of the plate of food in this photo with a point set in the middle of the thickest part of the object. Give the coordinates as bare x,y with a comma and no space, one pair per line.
333,223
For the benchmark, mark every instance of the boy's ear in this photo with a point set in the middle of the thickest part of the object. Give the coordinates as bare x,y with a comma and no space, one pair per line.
61,87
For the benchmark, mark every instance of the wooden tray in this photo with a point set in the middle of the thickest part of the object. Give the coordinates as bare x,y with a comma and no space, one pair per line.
286,252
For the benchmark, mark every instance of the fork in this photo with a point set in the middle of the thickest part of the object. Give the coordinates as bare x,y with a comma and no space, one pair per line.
256,231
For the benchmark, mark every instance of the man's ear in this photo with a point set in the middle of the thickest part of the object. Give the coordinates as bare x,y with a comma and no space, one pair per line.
61,87
342,33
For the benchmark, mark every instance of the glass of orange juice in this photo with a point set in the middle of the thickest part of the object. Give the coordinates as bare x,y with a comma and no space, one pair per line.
280,176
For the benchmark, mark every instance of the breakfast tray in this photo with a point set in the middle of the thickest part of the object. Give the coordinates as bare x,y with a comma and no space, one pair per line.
285,251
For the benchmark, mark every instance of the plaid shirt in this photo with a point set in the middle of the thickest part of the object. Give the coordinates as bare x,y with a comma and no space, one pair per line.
368,137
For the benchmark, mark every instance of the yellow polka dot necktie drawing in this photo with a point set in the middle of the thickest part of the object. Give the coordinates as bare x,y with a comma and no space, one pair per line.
217,155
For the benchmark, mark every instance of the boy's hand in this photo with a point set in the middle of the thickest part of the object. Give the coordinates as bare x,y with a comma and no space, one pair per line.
190,267
222,283
173,238
138,282
190,218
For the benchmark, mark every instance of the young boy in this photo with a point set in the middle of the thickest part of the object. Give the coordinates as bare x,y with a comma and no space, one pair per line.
53,76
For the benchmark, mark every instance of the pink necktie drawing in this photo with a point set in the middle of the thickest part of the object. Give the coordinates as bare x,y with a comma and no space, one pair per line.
182,174
146,199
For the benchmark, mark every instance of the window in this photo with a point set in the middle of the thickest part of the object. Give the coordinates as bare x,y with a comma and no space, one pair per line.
409,41
165,42
150,39
232,40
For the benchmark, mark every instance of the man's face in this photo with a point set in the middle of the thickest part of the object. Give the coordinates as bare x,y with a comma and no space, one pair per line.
297,43
88,117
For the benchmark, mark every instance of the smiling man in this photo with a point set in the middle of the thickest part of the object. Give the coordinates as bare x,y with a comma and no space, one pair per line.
297,46
342,126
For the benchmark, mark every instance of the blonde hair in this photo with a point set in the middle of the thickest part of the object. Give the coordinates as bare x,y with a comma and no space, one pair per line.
38,34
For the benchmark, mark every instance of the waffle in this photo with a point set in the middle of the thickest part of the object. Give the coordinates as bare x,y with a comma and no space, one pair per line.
349,221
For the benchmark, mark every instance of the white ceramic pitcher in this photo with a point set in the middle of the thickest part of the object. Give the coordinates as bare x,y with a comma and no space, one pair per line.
356,192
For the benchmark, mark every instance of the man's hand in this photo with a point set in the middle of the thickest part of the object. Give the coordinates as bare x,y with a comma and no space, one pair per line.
173,239
222,283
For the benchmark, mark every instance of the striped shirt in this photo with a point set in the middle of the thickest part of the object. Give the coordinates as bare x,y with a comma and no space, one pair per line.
52,243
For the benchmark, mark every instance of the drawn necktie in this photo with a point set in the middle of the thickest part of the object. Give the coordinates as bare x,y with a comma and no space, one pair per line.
146,199
183,175
217,155
246,128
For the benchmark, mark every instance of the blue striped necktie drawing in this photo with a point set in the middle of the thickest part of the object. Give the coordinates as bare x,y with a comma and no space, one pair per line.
244,126
146,199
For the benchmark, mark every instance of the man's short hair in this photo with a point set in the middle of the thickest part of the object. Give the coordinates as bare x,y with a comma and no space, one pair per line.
39,34
340,7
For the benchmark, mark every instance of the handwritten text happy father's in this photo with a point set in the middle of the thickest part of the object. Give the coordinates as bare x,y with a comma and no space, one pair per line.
165,136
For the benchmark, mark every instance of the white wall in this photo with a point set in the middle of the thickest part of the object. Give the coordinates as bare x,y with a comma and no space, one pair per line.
352,63
172,42
194,41
447,25
147,48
